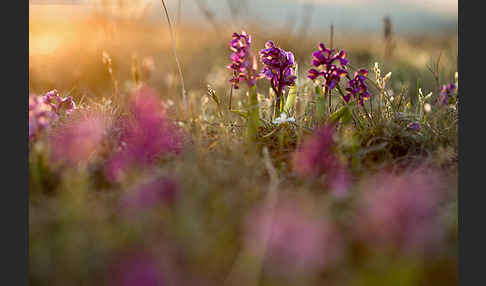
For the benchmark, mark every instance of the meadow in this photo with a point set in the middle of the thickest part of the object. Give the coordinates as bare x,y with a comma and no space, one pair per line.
268,158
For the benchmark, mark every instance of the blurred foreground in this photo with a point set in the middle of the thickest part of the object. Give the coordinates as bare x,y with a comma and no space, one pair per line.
127,189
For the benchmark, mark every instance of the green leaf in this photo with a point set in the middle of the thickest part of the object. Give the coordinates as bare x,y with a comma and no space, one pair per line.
282,104
271,93
241,113
253,114
343,114
291,99
321,108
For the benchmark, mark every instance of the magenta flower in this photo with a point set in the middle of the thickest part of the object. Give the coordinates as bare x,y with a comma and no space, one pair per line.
52,97
77,139
357,87
402,211
242,61
446,93
279,67
149,195
41,115
147,134
317,157
295,239
43,110
136,269
60,105
328,64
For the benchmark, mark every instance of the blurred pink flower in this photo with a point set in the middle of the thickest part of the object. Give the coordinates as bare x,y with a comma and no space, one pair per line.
162,190
135,269
147,134
43,110
340,182
59,104
77,138
41,115
298,239
402,211
317,157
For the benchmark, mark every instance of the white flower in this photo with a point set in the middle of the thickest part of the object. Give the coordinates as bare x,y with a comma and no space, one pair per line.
427,107
168,103
283,119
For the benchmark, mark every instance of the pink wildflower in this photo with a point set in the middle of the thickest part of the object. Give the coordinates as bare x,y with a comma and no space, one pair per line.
162,190
77,138
298,240
402,211
136,269
147,134
317,157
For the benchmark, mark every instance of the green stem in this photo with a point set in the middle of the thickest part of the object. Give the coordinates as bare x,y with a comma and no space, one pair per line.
289,103
366,112
321,105
277,102
279,94
328,93
253,114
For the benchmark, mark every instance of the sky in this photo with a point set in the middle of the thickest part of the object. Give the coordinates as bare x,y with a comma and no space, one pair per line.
446,7
365,15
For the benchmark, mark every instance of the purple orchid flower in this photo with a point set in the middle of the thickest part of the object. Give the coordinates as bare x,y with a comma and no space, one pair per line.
328,64
243,64
447,91
357,87
279,69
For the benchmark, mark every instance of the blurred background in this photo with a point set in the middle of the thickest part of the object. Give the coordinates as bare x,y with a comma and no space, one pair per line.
68,37
412,16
